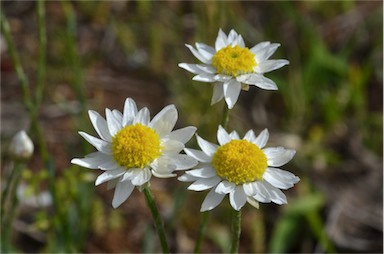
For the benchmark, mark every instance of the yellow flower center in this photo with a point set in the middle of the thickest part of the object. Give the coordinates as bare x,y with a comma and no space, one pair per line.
234,61
135,146
240,161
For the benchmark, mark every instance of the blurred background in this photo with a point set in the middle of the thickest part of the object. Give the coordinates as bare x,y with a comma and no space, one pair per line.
79,55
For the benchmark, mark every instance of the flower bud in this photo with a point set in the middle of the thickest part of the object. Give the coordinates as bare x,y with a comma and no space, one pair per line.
21,147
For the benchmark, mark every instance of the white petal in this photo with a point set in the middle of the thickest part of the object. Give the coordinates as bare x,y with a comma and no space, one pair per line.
267,51
182,135
278,156
222,77
163,175
234,135
122,192
109,164
191,68
205,172
270,65
258,80
142,117
223,136
221,40
232,37
280,180
207,68
218,93
198,155
212,200
253,202
225,187
183,161
231,92
262,193
262,139
187,178
205,77
118,115
172,146
164,121
142,177
99,144
260,46
237,198
130,174
206,51
250,189
130,111
113,124
197,54
92,160
240,41
163,166
100,125
250,136
208,148
204,183
108,175
277,196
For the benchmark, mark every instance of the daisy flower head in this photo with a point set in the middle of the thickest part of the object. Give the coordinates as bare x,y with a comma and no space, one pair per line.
233,66
132,148
242,168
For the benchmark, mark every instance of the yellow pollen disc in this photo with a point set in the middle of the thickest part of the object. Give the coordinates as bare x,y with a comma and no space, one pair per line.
135,146
240,161
234,61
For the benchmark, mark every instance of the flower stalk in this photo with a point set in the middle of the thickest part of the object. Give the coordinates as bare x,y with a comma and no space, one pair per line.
156,218
236,230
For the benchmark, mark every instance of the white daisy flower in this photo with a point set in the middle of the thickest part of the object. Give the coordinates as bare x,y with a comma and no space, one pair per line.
233,66
242,168
132,148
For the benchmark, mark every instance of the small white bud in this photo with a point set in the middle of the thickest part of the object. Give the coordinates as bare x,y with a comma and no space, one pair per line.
21,147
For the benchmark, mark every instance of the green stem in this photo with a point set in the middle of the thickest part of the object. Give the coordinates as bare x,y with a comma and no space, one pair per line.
225,116
201,233
16,62
156,218
236,230
42,53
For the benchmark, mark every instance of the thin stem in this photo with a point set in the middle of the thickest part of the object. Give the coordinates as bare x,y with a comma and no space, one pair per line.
225,116
42,52
16,62
156,218
201,233
236,230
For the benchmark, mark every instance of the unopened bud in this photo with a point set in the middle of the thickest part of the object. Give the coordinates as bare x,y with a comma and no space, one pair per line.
21,147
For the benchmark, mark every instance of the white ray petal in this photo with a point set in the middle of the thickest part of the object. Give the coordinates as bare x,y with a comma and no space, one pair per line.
278,156
187,178
218,93
182,135
122,192
205,172
142,117
130,111
205,77
221,40
225,187
257,80
232,90
223,136
262,139
142,177
204,183
270,65
212,200
109,175
99,144
100,125
237,198
198,155
208,147
197,54
113,124
183,161
164,121
92,160
193,68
